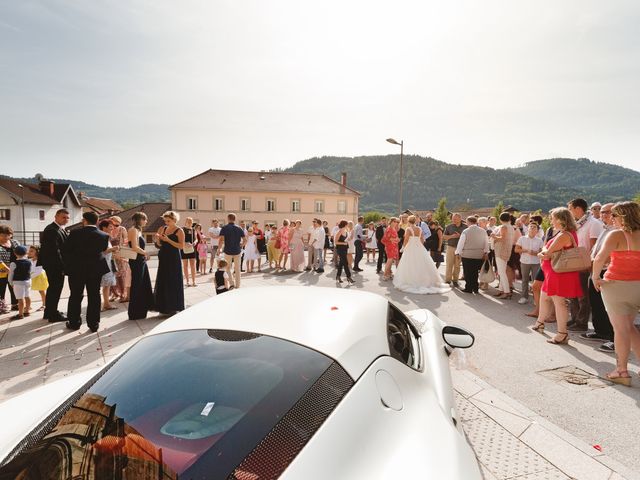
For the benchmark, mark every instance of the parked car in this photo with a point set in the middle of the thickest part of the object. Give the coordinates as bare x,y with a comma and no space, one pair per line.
329,384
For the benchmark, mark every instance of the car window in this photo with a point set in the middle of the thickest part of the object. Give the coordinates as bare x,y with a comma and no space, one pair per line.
404,344
175,404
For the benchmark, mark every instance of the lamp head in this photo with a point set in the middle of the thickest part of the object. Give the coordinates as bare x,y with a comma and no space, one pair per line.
391,140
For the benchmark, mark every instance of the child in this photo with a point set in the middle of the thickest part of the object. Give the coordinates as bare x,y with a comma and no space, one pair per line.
20,280
221,278
202,253
40,282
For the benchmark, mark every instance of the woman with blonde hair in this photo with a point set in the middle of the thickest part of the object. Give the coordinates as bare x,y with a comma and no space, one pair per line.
621,284
351,240
169,292
141,292
390,241
557,286
296,246
120,238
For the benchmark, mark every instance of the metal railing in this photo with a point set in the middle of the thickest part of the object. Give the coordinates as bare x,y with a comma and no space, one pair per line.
27,238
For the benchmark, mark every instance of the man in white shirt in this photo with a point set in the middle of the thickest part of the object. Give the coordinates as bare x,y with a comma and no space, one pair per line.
473,248
528,247
214,235
317,245
310,250
589,229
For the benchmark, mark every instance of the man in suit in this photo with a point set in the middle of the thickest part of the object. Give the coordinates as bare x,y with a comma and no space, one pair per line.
382,256
50,258
85,265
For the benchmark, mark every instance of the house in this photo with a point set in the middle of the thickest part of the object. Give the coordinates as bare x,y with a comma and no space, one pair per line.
266,197
153,210
102,206
40,202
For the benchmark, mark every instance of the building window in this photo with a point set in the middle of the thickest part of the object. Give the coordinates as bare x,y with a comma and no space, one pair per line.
218,204
342,206
295,205
271,205
192,203
5,214
41,214
149,239
319,206
245,204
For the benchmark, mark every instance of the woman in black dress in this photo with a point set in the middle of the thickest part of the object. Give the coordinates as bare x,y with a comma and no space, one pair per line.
141,294
169,292
342,246
189,251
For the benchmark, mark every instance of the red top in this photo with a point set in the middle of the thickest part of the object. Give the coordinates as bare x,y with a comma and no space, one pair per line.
625,264
390,247
566,284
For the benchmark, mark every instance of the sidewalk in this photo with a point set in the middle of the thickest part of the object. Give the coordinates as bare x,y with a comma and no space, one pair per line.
511,441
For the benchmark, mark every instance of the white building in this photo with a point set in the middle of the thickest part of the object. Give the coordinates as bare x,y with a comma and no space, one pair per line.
40,205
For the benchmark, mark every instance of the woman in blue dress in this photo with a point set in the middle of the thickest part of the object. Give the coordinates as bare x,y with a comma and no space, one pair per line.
169,292
141,294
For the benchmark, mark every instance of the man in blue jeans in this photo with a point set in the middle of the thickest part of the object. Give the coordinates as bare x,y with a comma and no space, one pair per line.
231,242
317,244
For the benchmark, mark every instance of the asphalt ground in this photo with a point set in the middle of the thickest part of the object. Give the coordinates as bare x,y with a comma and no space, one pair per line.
563,385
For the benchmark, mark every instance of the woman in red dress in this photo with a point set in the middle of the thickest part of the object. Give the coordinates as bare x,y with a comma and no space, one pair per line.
558,286
390,241
283,238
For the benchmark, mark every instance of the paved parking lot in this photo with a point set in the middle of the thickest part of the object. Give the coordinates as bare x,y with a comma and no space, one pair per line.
531,410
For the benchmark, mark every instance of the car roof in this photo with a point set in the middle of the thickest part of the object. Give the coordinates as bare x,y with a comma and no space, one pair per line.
346,325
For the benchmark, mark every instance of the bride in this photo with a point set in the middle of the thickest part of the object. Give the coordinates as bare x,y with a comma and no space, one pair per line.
416,272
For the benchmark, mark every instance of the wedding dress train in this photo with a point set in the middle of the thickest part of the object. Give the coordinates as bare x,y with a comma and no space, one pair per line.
416,272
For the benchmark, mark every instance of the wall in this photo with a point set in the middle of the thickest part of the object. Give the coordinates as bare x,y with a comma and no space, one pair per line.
258,206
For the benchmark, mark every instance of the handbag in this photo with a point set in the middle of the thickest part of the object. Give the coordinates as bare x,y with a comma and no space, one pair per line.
487,275
188,248
126,253
278,244
574,259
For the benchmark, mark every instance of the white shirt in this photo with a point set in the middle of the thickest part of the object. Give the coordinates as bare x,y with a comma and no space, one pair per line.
528,243
591,229
317,238
463,239
311,231
214,232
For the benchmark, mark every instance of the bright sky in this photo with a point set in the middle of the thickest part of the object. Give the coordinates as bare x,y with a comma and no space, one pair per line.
127,92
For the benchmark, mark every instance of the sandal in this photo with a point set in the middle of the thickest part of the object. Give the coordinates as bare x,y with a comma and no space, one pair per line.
620,376
564,341
538,327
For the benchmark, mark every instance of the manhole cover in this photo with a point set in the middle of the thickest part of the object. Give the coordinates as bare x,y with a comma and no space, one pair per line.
571,375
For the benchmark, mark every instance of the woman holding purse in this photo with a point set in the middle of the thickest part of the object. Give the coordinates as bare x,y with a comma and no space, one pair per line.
189,252
557,287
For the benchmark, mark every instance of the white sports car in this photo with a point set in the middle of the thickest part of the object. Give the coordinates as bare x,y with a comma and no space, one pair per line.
331,384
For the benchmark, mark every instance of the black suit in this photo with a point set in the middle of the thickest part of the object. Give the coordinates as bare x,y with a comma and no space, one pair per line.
85,266
51,244
382,255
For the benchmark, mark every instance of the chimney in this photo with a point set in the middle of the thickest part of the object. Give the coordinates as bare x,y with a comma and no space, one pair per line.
343,179
46,187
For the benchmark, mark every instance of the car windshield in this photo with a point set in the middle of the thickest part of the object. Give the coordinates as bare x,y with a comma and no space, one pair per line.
173,404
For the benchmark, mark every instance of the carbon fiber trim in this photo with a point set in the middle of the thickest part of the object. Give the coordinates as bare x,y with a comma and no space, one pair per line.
289,436
45,427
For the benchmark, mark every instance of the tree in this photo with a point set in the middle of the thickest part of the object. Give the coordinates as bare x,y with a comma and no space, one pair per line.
498,209
372,217
637,198
442,213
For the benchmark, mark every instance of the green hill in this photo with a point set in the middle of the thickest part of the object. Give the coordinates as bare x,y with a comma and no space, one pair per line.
600,180
426,180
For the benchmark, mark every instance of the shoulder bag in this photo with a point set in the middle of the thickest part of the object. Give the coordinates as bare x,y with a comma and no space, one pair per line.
574,259
486,273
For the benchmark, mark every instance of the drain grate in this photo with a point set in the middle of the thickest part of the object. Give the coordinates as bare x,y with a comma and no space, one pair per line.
574,377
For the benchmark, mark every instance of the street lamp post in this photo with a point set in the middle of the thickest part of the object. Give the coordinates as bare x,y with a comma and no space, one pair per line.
401,143
24,229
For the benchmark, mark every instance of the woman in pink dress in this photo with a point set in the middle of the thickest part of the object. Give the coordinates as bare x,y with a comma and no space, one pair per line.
390,241
282,238
296,246
557,287
119,237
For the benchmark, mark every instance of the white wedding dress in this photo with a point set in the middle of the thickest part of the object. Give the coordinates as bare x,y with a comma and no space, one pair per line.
416,272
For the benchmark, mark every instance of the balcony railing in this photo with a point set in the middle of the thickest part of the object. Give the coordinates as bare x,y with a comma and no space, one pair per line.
27,238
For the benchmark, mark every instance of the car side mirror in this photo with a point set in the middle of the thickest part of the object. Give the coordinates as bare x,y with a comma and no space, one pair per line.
457,337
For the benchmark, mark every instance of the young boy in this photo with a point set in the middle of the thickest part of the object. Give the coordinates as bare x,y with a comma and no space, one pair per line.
221,278
20,280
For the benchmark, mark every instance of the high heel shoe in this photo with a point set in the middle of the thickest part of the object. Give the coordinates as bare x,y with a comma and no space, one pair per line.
564,341
338,279
620,376
538,327
350,280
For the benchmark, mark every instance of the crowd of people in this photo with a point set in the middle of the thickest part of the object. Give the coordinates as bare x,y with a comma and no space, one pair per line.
406,250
